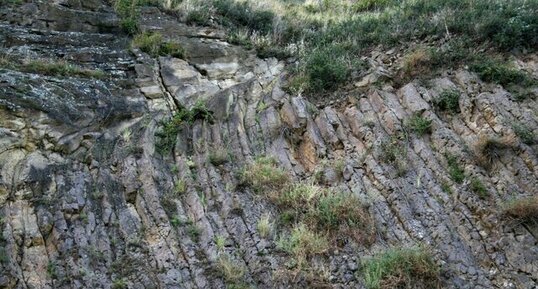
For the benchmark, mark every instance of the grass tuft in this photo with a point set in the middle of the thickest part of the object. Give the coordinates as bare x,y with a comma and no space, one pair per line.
264,226
457,174
154,44
264,175
476,186
303,243
524,209
402,268
229,269
488,149
420,125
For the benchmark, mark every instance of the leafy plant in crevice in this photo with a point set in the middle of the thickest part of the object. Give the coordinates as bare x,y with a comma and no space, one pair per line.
448,100
456,173
526,135
167,134
393,151
419,124
476,186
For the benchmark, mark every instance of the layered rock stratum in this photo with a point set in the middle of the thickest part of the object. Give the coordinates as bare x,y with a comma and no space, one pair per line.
85,198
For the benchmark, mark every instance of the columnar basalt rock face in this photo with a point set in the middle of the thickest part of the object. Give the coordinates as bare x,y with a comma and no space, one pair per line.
87,202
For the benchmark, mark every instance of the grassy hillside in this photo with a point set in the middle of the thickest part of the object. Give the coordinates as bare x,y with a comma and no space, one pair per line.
328,37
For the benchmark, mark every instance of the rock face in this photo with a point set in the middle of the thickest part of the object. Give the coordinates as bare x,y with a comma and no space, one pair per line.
87,202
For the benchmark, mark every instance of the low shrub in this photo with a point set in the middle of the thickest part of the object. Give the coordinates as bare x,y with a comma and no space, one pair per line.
457,174
524,133
448,100
491,70
476,186
419,124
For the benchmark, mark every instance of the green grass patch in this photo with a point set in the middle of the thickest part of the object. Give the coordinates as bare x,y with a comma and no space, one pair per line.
264,175
51,68
419,124
339,214
154,44
476,186
402,268
457,174
167,134
303,243
492,70
526,135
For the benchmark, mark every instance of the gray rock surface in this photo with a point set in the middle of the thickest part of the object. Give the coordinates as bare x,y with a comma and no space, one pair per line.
85,200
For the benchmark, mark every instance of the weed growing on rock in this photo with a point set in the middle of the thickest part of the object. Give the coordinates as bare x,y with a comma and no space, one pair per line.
193,231
524,209
419,124
448,100
154,44
402,268
264,226
167,135
417,62
339,214
476,186
457,174
119,284
394,152
524,133
488,149
218,156
220,242
229,269
51,68
180,188
264,175
492,70
303,243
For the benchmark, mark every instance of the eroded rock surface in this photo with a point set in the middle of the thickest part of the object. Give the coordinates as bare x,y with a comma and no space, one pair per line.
85,198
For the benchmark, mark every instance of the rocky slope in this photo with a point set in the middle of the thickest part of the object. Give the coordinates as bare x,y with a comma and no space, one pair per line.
86,201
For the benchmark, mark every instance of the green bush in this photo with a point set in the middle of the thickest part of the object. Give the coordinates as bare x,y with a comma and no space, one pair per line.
363,5
167,134
419,124
448,100
129,25
457,174
524,133
478,188
199,16
326,69
491,70
402,268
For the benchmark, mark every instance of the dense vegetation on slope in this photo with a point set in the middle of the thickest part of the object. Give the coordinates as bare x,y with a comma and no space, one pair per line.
328,37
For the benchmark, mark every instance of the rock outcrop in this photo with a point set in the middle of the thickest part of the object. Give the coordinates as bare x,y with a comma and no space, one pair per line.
86,201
